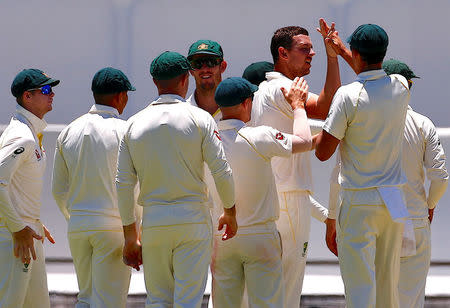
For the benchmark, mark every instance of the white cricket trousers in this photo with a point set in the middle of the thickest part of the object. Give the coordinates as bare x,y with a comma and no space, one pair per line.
294,227
176,260
414,269
251,258
369,244
22,286
103,278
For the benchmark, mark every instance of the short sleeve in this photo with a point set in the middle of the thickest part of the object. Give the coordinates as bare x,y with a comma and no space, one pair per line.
336,122
271,142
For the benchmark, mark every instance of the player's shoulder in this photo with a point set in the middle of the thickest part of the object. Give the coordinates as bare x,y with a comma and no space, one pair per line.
18,134
421,119
260,133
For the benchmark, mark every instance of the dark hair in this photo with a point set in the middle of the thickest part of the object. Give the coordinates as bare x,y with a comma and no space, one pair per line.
371,57
104,99
283,38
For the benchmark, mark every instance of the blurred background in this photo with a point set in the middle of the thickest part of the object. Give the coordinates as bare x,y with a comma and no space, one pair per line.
71,40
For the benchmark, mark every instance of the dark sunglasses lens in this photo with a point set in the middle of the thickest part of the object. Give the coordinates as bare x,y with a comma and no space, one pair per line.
209,62
46,90
196,64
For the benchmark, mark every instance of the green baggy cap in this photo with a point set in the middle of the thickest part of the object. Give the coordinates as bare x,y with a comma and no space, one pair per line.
393,66
206,47
369,38
169,65
109,80
233,91
31,78
256,72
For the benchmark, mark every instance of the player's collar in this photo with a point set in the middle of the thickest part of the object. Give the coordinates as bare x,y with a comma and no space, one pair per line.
371,75
168,99
102,109
26,117
230,124
275,75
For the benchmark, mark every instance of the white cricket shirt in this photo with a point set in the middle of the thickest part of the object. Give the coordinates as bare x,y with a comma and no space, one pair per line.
271,108
368,116
422,148
22,166
249,151
84,169
165,146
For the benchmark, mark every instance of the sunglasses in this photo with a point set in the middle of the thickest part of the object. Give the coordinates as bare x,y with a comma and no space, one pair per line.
209,62
46,90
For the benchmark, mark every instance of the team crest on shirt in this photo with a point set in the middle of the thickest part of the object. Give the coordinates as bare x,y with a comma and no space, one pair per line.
25,268
217,135
38,156
279,136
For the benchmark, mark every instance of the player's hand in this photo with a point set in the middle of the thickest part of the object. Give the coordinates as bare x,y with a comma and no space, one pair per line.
24,244
132,254
47,235
333,43
228,219
430,215
298,93
330,237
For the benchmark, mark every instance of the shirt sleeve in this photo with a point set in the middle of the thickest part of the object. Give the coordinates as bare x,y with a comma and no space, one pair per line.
337,120
60,179
214,156
126,180
14,153
318,211
272,142
434,163
333,198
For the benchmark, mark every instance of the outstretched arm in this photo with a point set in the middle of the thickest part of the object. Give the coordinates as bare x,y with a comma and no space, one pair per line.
317,106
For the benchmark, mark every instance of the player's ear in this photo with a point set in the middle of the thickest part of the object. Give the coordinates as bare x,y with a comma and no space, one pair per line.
223,66
282,52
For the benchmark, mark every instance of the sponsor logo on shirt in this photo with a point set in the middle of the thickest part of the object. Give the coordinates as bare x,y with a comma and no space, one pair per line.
38,156
305,248
17,152
217,135
279,136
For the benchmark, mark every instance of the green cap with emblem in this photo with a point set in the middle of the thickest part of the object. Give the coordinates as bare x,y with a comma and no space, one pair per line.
205,47
369,38
169,65
233,91
256,72
31,78
109,80
393,66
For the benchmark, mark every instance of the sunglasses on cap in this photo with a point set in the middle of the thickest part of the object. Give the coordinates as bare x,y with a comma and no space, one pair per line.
46,90
208,61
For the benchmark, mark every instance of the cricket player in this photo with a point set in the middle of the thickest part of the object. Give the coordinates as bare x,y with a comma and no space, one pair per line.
253,257
83,186
292,53
207,67
165,147
23,279
367,119
256,72
421,149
